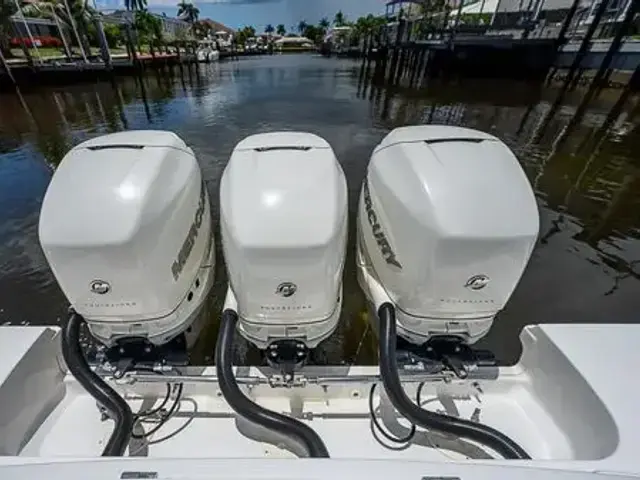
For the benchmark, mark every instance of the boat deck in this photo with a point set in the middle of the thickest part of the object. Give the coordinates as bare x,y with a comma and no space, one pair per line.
567,407
205,426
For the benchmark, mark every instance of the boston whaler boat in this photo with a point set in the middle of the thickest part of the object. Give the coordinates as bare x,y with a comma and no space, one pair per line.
446,224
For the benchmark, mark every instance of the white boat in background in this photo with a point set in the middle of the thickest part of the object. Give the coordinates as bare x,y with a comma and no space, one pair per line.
446,224
207,51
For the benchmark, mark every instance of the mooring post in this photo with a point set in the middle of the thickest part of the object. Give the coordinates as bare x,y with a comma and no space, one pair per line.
604,72
120,103
400,67
562,36
378,58
586,42
67,50
415,64
105,53
386,104
143,95
568,81
397,50
586,100
445,21
454,31
6,68
363,49
422,74
131,45
74,27
380,70
615,111
360,81
390,72
365,85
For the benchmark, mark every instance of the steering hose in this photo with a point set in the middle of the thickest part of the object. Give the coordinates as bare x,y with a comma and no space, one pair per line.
115,405
251,411
476,432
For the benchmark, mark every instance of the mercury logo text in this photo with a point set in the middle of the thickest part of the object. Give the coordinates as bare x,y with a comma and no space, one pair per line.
190,241
385,247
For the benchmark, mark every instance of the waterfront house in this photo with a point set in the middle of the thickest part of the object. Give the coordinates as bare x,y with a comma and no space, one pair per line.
293,44
39,27
171,27
338,36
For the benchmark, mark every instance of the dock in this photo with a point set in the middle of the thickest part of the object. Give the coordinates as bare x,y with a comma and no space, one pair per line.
59,70
408,51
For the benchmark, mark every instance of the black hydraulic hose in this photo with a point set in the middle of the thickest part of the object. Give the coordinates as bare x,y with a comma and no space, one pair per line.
251,411
116,406
476,432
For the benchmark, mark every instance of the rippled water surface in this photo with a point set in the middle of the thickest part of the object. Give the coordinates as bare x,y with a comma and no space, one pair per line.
585,268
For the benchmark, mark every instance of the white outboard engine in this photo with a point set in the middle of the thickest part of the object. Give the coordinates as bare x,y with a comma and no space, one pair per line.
447,222
126,228
283,214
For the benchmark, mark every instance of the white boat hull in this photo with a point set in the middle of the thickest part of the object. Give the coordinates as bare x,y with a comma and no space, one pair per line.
308,469
563,406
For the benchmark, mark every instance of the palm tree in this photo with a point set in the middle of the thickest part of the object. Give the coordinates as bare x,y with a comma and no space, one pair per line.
324,23
302,26
188,11
135,4
244,34
281,30
379,25
148,27
269,29
7,9
339,20
250,31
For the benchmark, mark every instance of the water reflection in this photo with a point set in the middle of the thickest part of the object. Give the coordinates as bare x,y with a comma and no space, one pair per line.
585,172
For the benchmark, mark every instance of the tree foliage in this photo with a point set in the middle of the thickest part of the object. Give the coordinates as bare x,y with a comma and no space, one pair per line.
369,25
135,5
203,28
7,9
340,20
113,35
281,29
314,33
244,34
82,17
148,26
188,11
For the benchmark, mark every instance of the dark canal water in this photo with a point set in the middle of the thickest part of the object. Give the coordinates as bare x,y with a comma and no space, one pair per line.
586,267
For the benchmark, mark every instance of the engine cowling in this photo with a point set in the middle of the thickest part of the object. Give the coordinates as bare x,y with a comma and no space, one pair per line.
126,228
446,225
283,213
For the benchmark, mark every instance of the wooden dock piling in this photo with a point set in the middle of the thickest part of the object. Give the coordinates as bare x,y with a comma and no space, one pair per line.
576,70
604,72
7,68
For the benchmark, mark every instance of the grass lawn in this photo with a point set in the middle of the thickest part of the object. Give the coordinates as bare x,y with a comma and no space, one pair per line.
47,52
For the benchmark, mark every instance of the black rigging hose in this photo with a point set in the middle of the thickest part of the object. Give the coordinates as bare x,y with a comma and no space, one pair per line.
429,420
251,411
106,396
